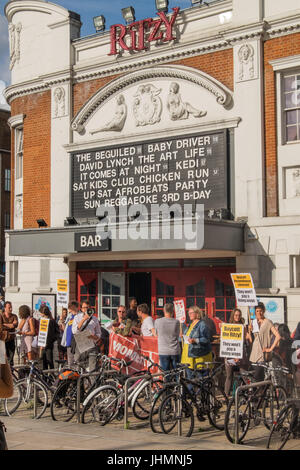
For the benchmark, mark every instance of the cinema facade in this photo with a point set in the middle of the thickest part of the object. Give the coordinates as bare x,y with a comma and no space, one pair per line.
194,108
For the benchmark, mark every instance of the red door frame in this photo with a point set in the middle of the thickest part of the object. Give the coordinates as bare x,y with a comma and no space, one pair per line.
180,277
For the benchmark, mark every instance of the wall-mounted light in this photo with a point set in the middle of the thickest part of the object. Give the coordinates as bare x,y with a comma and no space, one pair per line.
99,23
128,14
41,223
71,221
162,5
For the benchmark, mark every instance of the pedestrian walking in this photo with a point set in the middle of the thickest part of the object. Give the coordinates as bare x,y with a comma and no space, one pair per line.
10,323
167,330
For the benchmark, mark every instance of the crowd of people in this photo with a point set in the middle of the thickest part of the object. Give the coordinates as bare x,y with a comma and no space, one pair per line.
189,343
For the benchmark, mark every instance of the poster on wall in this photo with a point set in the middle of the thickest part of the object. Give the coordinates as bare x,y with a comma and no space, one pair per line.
38,300
275,309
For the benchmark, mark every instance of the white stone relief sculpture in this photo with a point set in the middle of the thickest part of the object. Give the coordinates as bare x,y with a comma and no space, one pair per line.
14,43
147,107
246,62
179,109
118,121
59,102
296,180
292,182
19,207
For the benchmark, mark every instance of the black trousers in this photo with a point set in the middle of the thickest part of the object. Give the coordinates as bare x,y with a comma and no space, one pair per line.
47,357
10,347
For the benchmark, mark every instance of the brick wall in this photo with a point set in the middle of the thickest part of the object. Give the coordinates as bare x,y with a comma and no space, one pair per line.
274,49
217,64
36,158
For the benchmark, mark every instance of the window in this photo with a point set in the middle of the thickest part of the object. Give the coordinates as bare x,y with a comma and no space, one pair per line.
295,271
7,179
6,220
291,105
19,152
13,273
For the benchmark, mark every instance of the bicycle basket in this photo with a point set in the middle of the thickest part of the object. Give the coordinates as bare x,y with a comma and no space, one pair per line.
68,375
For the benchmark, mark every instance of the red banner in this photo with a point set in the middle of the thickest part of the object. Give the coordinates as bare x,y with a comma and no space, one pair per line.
131,349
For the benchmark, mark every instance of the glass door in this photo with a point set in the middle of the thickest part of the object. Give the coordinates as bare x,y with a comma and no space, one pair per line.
87,288
111,295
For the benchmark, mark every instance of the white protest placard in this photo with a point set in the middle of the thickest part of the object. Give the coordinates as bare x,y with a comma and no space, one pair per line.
244,290
2,352
232,340
43,332
83,342
62,293
179,308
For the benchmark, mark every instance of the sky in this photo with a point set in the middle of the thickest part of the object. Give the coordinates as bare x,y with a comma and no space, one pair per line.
110,9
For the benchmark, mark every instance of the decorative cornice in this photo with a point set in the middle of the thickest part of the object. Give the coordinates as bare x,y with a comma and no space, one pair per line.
34,86
133,138
15,121
222,94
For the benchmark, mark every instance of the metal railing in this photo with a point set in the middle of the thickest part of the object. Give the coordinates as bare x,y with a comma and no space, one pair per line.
109,372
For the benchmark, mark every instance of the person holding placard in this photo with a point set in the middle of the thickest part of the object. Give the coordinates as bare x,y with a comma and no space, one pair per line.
52,336
232,365
262,345
196,343
27,332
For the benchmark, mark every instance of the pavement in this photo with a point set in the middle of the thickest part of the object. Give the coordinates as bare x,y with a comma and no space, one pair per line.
46,434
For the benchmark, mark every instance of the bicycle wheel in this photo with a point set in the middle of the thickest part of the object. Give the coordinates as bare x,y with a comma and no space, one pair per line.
142,403
176,410
157,400
30,399
244,418
279,401
217,408
12,403
282,428
102,407
64,402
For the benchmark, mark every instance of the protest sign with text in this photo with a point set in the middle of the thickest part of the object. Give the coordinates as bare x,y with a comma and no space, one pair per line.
244,290
232,340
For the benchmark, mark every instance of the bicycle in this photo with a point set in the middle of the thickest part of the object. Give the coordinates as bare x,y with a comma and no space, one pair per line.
255,405
64,402
286,425
202,394
31,391
107,402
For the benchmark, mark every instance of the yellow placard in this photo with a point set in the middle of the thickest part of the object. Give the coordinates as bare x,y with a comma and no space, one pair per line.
62,285
231,332
242,281
44,324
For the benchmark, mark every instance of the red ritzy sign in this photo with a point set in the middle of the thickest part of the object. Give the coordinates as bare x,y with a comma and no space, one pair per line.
135,33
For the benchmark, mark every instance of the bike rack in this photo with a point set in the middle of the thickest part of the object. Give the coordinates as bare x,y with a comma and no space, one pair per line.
126,393
92,374
245,387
